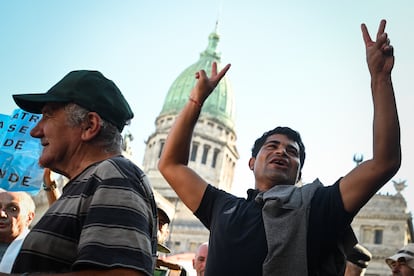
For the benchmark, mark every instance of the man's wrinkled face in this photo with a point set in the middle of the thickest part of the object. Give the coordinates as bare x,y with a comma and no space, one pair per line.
200,259
59,140
14,216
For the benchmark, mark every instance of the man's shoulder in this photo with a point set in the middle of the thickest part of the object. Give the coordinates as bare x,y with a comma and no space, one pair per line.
215,192
113,166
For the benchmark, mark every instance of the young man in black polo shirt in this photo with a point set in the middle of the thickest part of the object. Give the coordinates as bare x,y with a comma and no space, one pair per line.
303,228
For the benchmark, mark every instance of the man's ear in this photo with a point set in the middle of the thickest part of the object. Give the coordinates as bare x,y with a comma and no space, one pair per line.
91,127
30,217
252,160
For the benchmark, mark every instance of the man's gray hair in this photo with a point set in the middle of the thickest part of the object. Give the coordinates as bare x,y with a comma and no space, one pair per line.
109,137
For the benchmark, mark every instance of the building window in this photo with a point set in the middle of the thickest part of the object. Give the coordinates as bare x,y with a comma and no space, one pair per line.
194,149
193,246
215,155
177,245
162,142
378,236
205,154
366,235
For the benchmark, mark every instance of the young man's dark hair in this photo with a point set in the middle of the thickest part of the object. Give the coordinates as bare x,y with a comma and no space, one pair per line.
290,133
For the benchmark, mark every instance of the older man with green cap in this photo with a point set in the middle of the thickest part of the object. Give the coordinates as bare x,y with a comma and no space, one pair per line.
105,221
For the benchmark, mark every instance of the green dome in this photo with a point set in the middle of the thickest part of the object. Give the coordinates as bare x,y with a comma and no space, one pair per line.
219,105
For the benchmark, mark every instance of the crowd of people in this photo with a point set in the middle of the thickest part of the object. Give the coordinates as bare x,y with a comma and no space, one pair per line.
106,220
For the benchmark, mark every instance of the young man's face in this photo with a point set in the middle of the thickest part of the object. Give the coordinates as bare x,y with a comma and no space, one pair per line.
278,162
14,216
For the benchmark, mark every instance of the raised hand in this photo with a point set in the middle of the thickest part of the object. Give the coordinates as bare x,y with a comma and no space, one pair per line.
380,54
205,85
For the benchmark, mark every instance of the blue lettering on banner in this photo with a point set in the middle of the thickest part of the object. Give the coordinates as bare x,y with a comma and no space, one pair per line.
19,153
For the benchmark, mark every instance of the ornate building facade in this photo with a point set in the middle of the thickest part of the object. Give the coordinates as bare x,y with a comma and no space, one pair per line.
383,226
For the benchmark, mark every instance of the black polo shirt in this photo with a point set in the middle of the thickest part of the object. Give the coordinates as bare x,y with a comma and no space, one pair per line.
238,245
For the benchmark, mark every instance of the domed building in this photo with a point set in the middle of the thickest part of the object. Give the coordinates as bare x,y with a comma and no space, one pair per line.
213,152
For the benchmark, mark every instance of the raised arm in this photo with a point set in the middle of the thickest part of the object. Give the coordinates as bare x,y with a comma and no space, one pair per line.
359,185
188,185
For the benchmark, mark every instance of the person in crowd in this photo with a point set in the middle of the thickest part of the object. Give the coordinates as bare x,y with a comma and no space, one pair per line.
402,263
163,230
17,211
164,267
105,221
200,259
281,229
357,261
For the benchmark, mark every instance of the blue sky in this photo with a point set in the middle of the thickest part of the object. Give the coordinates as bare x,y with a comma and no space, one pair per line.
297,63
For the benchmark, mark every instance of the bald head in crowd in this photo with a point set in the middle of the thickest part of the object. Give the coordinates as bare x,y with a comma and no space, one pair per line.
200,259
17,211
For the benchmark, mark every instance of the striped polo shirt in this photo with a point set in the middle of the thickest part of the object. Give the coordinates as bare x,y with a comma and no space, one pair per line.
105,218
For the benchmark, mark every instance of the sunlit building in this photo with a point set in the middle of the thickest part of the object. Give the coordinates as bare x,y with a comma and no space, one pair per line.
213,153
383,226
